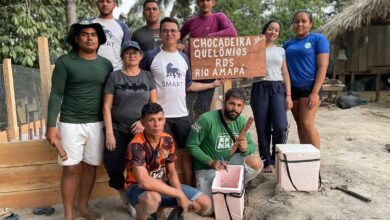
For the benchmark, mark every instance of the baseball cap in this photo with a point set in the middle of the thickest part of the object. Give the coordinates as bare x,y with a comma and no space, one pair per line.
130,44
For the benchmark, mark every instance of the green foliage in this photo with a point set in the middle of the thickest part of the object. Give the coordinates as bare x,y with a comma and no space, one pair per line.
134,18
86,9
24,21
284,11
182,9
245,15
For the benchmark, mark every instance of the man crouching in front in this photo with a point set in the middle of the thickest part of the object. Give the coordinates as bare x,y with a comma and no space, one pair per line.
152,181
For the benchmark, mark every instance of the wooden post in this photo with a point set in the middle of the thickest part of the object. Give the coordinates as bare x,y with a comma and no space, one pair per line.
378,86
227,85
10,99
352,83
45,72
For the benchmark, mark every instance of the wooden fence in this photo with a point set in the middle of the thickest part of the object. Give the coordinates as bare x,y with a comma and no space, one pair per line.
29,173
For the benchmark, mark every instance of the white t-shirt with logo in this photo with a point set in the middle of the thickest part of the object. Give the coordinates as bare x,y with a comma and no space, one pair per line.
112,48
172,75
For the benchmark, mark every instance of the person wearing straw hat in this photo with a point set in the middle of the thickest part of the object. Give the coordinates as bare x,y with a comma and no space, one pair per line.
76,94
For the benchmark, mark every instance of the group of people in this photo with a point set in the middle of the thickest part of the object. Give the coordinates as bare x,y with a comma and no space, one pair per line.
128,101
295,74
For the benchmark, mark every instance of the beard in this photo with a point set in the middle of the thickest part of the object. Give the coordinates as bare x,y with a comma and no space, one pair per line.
231,115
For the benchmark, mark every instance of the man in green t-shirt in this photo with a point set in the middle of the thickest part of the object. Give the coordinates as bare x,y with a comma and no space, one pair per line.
76,94
209,143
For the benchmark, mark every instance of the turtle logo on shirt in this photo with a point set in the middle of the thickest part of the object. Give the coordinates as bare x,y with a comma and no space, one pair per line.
307,45
108,33
172,71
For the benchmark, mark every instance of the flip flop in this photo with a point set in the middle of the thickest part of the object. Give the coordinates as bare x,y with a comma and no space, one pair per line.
268,169
176,214
43,211
5,212
13,216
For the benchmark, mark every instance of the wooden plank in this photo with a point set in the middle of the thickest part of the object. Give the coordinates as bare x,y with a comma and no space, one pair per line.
363,50
26,153
230,57
3,136
48,197
227,85
45,71
378,54
378,87
24,132
352,83
37,177
10,99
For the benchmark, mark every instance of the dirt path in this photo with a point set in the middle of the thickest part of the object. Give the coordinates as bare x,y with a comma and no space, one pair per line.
353,150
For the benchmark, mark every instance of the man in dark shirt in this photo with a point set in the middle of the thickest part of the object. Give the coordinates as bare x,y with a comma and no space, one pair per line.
148,36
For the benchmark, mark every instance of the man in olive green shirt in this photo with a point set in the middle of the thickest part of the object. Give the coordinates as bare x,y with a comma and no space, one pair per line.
76,93
209,142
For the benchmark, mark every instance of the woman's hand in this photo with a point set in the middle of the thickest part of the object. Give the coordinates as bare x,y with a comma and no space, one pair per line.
289,102
137,127
110,141
313,101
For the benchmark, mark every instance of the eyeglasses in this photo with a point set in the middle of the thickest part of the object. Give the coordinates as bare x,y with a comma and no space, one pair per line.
166,31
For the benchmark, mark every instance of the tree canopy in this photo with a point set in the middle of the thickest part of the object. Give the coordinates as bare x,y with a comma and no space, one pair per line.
23,21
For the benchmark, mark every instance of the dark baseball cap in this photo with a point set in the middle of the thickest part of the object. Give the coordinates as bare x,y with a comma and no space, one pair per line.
130,44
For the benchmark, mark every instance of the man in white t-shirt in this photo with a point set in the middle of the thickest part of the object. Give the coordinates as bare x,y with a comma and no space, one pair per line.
172,74
116,32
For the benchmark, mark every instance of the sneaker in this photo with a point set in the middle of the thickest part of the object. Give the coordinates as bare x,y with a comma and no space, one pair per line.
176,214
127,204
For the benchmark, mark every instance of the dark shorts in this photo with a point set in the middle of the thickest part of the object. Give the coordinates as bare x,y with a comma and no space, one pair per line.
301,92
134,193
179,128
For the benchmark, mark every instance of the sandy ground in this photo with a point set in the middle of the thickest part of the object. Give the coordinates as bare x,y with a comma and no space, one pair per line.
354,153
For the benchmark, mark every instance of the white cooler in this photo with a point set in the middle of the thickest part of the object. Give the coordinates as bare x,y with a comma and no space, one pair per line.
228,193
298,167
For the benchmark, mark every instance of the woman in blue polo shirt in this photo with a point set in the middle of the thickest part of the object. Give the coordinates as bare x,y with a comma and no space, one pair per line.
307,58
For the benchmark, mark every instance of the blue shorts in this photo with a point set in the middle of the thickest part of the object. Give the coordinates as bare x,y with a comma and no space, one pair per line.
135,192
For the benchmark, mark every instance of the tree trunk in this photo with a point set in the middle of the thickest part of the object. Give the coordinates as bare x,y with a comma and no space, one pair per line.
71,15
